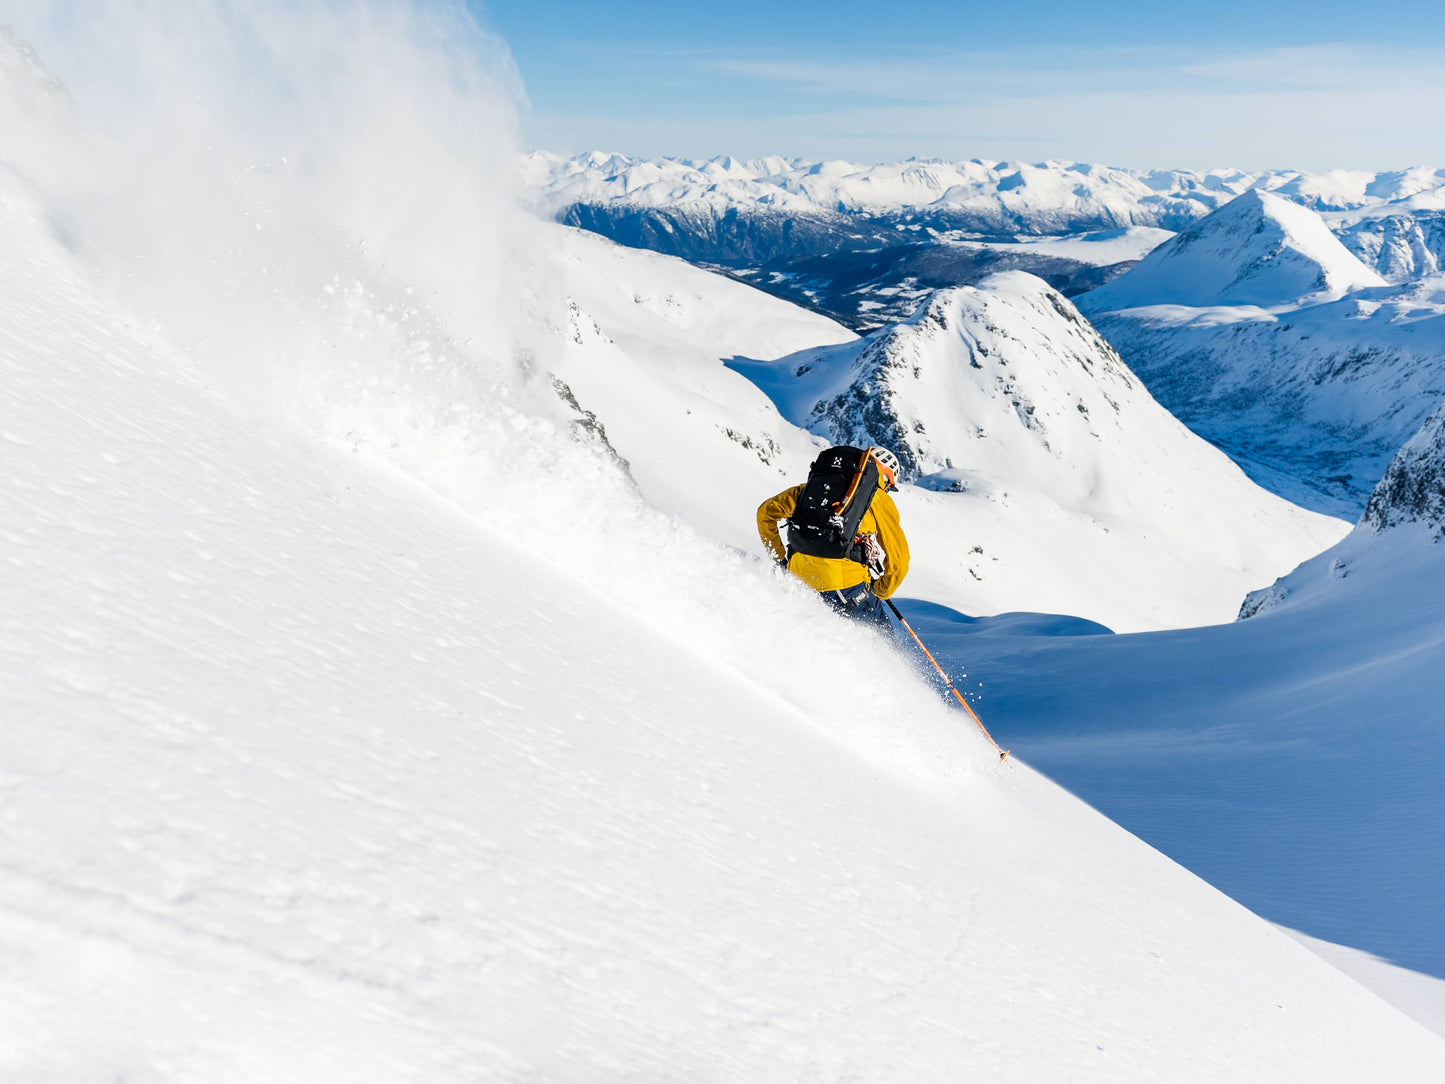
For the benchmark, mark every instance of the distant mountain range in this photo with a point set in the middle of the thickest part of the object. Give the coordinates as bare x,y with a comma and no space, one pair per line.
995,200
865,243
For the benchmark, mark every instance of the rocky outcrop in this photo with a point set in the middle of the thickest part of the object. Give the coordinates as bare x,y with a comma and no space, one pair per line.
1413,488
1399,247
1010,364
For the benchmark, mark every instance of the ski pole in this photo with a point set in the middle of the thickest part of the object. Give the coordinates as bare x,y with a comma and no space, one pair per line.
1002,753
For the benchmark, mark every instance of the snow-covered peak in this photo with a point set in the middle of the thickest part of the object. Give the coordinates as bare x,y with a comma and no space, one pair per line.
1259,249
599,178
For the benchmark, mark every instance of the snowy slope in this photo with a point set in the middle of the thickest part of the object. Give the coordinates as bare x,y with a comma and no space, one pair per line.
1420,997
643,348
310,776
1293,758
1259,249
1054,481
1239,328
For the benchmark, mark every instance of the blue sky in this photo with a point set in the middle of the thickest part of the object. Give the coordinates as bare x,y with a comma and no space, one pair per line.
1253,85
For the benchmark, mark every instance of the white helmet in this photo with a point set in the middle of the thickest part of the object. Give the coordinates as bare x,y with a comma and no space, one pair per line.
888,465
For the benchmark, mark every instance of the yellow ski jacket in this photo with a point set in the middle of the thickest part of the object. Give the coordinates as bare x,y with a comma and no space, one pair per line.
838,573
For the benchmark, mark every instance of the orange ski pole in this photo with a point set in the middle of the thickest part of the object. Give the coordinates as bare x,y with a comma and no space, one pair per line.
1002,753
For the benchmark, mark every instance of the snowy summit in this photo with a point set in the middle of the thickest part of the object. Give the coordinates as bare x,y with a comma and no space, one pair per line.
1259,249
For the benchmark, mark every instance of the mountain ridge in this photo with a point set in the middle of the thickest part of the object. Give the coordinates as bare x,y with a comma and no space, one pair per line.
992,193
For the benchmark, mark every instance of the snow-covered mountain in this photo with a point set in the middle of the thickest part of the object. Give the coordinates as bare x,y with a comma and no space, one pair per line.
676,366
1259,249
863,244
362,723
983,197
1042,466
1263,334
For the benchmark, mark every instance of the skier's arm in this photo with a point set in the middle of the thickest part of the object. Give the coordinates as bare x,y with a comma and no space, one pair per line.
770,513
895,544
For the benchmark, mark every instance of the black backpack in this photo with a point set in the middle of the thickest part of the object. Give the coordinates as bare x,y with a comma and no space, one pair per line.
840,487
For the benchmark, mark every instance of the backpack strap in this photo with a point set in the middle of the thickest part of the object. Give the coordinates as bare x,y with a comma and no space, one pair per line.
857,478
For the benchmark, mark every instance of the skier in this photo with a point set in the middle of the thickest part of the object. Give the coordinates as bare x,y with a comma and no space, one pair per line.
844,537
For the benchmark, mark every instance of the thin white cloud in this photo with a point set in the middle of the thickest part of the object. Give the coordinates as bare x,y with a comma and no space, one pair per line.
1337,106
949,75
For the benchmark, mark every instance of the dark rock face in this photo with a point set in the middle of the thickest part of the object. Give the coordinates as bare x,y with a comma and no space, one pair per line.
1413,488
1262,601
734,237
866,413
586,426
